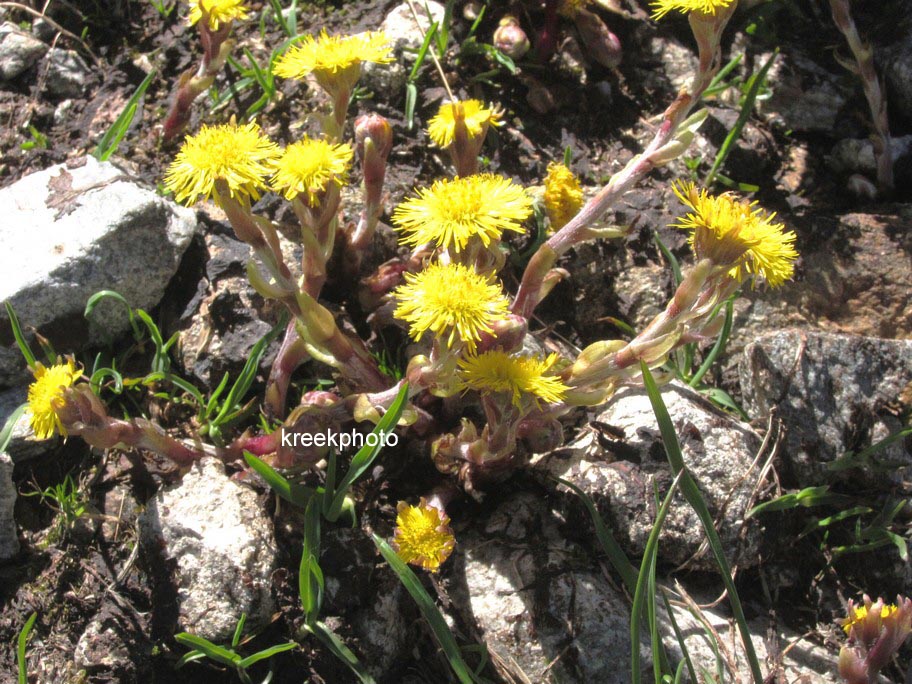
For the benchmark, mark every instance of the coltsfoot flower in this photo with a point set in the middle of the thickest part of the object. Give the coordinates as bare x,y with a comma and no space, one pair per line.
563,195
875,631
451,212
219,12
736,232
308,166
423,536
242,156
450,300
473,113
497,371
662,7
45,397
335,61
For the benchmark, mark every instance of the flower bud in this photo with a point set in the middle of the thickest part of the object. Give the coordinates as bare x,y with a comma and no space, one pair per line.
510,39
601,44
377,129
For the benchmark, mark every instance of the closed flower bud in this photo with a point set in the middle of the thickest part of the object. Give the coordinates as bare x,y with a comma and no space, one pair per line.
510,39
600,43
377,129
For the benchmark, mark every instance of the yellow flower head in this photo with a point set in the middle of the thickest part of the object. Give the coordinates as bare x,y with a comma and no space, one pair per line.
308,166
662,7
477,118
451,212
563,195
45,397
570,8
240,155
219,12
450,298
335,61
737,232
423,536
859,614
497,371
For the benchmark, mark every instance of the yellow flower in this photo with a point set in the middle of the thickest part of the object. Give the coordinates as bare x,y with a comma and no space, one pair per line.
335,61
563,195
219,11
858,614
423,536
309,166
662,7
497,371
450,298
240,155
570,8
45,397
736,232
477,118
451,212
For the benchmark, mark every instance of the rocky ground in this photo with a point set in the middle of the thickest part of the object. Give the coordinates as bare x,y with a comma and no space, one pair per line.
819,368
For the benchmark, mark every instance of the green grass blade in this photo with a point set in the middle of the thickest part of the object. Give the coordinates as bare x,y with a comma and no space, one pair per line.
6,434
20,338
692,493
721,341
366,454
429,610
238,631
115,134
310,577
294,493
670,258
21,643
213,651
615,553
267,653
747,107
341,651
679,635
647,570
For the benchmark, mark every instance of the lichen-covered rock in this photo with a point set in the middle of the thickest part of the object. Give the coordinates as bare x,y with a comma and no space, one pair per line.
222,547
621,456
834,393
539,601
67,74
18,51
72,231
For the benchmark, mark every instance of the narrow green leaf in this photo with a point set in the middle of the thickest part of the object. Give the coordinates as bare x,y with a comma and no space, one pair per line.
647,570
310,577
216,653
429,611
6,434
679,635
718,346
114,135
366,454
294,493
670,258
267,653
612,549
238,631
21,644
692,493
340,650
24,348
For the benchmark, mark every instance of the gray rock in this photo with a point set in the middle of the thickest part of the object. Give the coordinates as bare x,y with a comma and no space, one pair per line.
831,392
222,546
805,98
404,32
67,74
719,452
806,661
678,64
114,643
221,325
856,155
897,71
19,51
541,605
70,232
383,78
9,542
